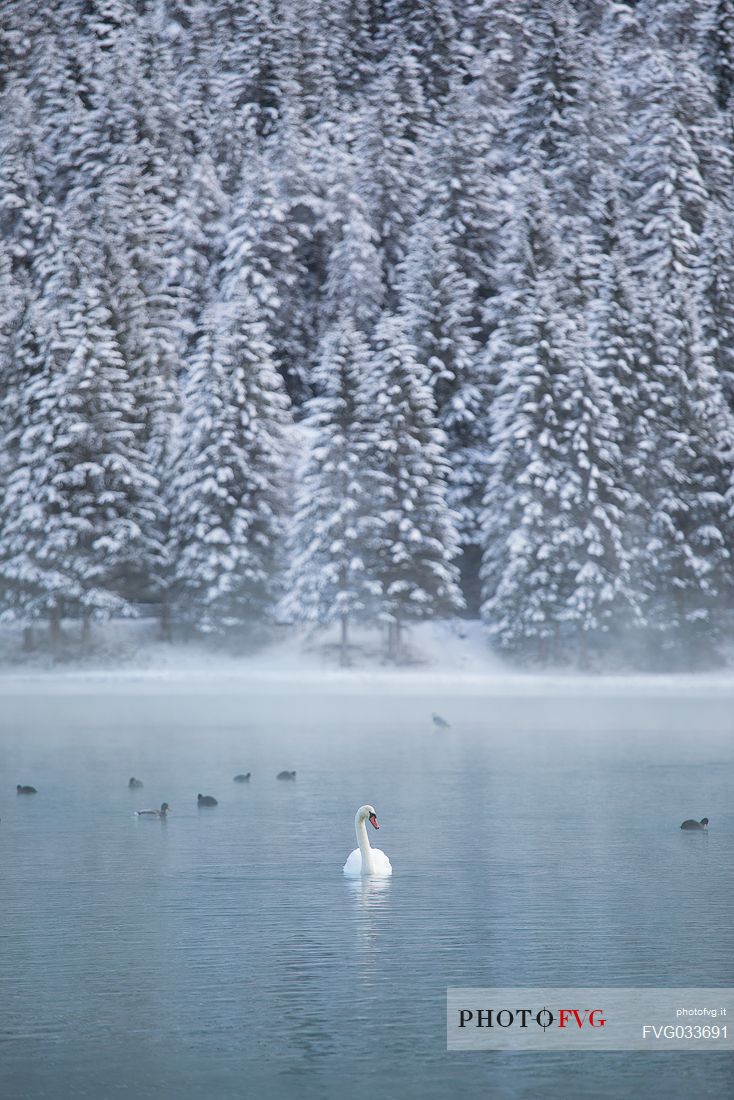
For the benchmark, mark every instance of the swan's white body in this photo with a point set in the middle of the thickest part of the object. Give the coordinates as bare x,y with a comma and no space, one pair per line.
366,860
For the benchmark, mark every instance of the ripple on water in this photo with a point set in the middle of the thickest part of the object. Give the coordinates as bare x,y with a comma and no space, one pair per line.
143,954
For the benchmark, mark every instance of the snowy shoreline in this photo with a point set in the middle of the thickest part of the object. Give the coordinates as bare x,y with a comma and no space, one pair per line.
451,659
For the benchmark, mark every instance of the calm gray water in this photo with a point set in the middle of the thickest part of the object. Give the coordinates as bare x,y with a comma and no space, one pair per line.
222,953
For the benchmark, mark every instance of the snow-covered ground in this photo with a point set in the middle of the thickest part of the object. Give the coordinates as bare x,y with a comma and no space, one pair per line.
447,658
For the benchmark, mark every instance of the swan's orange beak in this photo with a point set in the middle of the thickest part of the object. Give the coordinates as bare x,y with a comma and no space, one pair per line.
373,821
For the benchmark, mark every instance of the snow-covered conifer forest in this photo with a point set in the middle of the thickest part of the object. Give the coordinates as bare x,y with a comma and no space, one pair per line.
370,312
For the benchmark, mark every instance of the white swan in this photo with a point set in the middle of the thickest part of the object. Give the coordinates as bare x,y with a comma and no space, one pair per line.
366,860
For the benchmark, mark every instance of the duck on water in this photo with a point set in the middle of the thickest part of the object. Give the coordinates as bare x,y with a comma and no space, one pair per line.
163,812
703,824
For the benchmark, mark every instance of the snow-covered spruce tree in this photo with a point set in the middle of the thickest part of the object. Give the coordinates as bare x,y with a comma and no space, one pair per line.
306,60
717,25
409,535
673,93
465,187
547,116
135,158
258,243
48,78
142,318
20,199
129,161
554,566
432,35
300,155
599,506
389,139
685,561
658,50
436,307
353,285
353,40
716,262
14,361
677,32
495,31
149,344
79,504
686,564
14,296
240,62
561,128
21,587
265,239
194,244
227,495
617,353
326,582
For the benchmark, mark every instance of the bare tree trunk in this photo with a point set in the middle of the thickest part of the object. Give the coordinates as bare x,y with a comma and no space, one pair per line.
28,639
86,628
344,642
54,627
398,641
393,641
166,631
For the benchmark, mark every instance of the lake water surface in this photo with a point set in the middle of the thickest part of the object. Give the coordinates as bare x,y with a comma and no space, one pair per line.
221,953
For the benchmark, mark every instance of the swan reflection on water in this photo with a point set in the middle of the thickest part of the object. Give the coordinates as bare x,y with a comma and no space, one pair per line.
371,898
370,892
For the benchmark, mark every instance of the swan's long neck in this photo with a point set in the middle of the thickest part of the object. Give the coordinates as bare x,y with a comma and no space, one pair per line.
360,827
